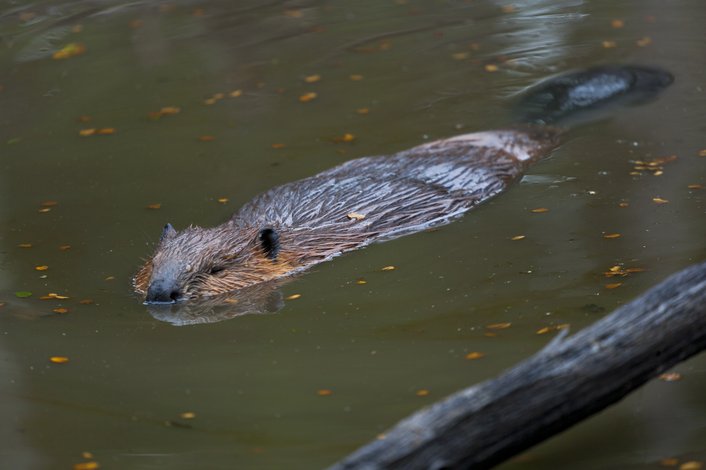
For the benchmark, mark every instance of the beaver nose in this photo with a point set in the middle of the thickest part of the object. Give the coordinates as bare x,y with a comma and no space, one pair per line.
162,293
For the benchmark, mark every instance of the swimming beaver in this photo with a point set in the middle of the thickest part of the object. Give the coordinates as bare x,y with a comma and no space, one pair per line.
294,226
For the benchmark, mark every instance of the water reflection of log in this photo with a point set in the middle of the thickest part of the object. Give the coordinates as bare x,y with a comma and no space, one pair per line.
568,381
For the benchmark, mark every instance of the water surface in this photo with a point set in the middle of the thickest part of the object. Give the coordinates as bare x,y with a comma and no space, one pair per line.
256,383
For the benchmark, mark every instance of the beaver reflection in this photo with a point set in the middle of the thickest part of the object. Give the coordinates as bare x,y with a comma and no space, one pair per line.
292,227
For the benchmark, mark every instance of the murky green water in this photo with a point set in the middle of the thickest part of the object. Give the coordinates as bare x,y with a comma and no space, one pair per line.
253,382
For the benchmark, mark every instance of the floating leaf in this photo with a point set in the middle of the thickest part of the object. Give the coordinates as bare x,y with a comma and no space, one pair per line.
347,138
22,294
324,392
235,93
422,393
41,268
388,268
361,281
670,376
356,77
659,200
644,41
362,111
223,200
499,326
617,24
92,465
491,68
278,146
59,359
517,237
293,297
608,44
187,415
610,236
70,50
25,245
306,97
312,78
539,210
154,206
471,356
613,285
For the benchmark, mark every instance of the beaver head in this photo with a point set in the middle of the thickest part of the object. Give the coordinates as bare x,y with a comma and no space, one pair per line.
198,262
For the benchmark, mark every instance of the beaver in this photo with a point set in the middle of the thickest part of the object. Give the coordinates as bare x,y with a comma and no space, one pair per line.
294,226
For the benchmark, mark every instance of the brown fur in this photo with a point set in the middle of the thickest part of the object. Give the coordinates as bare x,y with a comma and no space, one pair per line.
410,191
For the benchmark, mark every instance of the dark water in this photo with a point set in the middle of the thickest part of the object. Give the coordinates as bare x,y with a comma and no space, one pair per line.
253,382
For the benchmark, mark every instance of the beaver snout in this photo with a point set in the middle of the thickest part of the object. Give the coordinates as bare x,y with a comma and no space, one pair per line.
163,293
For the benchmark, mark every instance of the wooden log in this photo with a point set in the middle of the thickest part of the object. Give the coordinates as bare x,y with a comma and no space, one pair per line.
566,382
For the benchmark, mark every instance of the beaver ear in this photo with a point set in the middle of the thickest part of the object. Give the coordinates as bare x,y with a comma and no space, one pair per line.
269,241
167,232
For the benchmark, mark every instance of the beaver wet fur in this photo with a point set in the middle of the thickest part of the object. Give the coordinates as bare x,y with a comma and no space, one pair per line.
292,227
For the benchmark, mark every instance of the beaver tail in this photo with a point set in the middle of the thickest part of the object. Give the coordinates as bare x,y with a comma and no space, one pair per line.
589,95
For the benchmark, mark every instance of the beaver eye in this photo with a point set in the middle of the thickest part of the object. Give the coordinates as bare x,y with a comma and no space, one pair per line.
216,269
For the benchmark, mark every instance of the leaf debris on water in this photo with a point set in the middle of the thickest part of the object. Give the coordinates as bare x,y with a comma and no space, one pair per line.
607,44
670,376
611,236
64,247
362,111
548,329
644,41
154,206
388,268
23,294
306,97
659,200
619,270
356,77
25,245
499,326
293,297
60,310
422,392
613,285
324,392
312,78
59,359
539,210
70,50
361,281
92,465
347,138
187,415
43,267
471,356
691,465
518,237
491,68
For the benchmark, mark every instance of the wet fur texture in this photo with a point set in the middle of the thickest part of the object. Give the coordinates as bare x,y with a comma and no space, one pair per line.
407,192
